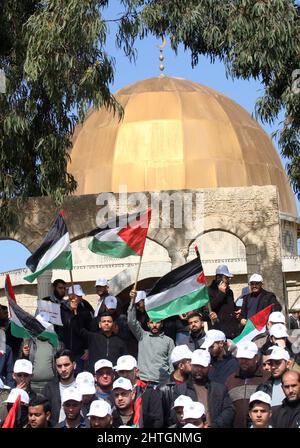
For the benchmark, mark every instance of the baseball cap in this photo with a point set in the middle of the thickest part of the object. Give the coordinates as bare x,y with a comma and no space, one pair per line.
71,393
23,366
277,318
279,353
140,295
278,331
102,363
122,383
110,302
85,382
101,282
190,425
14,393
195,409
181,401
126,362
260,396
77,291
246,350
211,337
295,307
256,278
222,269
99,408
201,358
180,352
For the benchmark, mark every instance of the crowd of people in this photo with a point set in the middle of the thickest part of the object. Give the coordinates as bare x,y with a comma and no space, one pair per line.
114,367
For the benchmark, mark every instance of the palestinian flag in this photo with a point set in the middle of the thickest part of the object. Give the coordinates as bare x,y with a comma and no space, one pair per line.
181,290
10,419
123,238
254,326
24,325
53,253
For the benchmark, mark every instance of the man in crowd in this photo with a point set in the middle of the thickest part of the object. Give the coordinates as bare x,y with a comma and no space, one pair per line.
196,329
179,404
257,299
22,415
260,410
85,383
104,377
288,414
141,314
154,348
59,287
224,313
294,317
194,414
65,367
223,364
100,415
39,413
124,402
22,375
72,401
244,382
219,409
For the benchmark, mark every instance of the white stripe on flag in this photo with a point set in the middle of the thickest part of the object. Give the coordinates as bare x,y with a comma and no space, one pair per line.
109,235
62,245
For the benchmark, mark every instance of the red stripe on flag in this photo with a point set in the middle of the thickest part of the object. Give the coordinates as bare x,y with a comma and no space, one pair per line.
134,235
201,278
260,319
9,288
62,213
9,422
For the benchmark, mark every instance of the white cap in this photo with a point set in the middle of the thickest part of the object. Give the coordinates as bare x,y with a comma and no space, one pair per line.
211,337
277,318
193,410
140,295
295,307
99,408
71,393
102,363
201,358
77,291
181,401
256,278
190,425
110,302
246,350
180,352
14,393
101,282
223,270
122,383
126,362
279,353
278,331
23,366
260,396
85,382
3,386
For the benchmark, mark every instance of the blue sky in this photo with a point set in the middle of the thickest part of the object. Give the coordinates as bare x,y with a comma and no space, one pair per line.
12,254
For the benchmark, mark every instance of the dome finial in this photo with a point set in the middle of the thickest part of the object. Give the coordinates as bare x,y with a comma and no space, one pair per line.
161,55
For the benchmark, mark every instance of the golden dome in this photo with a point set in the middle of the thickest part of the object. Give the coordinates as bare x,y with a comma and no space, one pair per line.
175,135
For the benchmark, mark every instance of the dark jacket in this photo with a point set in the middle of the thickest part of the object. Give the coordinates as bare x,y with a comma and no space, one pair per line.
194,343
84,423
7,367
287,415
220,370
294,324
52,393
101,346
72,324
167,395
266,298
220,406
223,305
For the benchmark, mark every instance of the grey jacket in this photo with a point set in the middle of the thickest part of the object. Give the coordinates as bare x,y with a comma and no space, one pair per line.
153,351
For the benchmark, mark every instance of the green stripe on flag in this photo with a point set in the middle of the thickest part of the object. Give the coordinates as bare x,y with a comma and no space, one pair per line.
249,328
19,332
50,336
63,261
115,249
181,305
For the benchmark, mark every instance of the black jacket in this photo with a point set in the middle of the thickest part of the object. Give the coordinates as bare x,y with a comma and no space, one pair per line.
72,324
266,298
220,370
101,346
167,394
220,406
287,415
52,393
194,343
223,305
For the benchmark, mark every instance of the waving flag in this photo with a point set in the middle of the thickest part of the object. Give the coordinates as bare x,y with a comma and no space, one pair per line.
254,326
125,239
10,419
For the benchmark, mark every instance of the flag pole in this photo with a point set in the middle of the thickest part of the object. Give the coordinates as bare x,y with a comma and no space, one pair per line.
72,281
138,273
208,305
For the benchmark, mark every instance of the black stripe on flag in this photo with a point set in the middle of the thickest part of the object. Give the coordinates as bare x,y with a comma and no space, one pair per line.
56,232
118,221
175,277
30,323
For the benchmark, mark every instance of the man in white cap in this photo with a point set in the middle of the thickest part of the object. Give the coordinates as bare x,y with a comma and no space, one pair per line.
85,383
263,340
141,314
294,317
104,377
257,299
194,413
100,415
72,402
22,414
280,362
223,364
22,375
219,409
102,291
224,313
124,403
288,414
260,410
244,382
179,404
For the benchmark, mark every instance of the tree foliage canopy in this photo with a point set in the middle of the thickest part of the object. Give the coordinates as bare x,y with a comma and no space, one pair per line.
53,53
